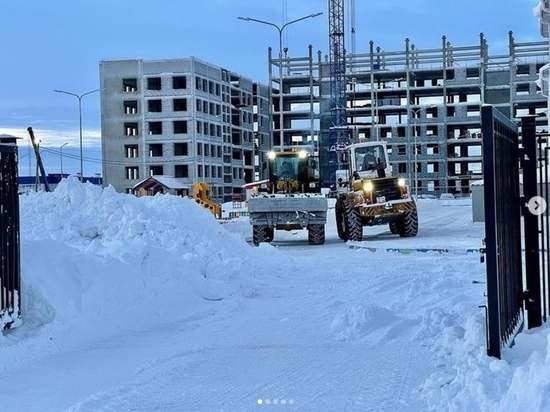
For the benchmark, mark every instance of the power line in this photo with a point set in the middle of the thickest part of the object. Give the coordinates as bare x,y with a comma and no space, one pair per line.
132,160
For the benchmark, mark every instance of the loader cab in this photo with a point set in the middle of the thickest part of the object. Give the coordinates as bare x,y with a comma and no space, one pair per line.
368,160
294,171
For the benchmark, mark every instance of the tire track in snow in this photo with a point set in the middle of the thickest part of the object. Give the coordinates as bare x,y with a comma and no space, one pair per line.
299,359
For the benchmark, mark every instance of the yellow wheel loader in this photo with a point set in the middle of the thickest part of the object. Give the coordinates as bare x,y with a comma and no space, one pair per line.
368,195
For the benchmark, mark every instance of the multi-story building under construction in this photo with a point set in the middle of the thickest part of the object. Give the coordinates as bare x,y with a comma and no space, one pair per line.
183,118
424,103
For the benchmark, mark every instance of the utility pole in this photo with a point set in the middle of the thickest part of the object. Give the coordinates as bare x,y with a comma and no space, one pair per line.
280,30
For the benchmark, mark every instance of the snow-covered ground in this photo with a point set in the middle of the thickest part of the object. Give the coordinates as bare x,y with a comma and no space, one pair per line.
150,304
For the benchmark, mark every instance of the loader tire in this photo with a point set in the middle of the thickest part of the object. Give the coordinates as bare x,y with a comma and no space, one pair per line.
270,233
393,228
349,222
260,234
316,234
340,227
408,225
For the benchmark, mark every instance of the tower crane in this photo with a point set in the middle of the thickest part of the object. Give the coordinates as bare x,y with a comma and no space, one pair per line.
339,134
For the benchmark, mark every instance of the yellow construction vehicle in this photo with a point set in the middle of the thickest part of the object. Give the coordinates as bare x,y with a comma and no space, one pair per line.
201,193
295,201
369,195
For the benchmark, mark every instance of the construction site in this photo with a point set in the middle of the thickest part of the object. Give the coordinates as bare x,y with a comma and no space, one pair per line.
423,103
195,121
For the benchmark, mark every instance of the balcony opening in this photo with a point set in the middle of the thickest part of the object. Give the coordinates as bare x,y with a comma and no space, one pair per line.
130,129
180,126
155,128
180,149
129,85
154,83
156,170
130,107
132,172
179,82
155,150
181,171
131,150
154,106
180,105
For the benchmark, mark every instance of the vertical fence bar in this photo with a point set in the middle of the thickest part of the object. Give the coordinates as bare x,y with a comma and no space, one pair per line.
502,229
493,309
10,284
531,223
545,235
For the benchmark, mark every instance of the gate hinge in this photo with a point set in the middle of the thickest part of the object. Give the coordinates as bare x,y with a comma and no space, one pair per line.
482,252
521,155
527,301
524,208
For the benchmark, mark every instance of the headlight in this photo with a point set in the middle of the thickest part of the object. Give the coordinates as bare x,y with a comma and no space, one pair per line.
368,186
302,154
401,182
271,155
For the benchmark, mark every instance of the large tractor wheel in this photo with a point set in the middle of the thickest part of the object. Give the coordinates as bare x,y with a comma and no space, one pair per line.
340,226
393,228
348,221
408,225
316,234
270,233
260,234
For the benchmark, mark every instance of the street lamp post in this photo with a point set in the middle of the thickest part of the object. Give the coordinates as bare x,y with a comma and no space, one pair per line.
280,30
79,97
61,157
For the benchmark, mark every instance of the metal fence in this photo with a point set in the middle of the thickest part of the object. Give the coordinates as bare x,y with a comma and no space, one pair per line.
537,232
502,229
10,281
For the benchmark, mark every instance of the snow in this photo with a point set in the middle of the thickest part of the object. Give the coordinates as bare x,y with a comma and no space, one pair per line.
150,304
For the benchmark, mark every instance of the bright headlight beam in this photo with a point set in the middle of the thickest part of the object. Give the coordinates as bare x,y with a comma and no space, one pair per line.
367,186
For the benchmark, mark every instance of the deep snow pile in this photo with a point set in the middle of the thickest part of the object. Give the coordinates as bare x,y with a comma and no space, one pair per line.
96,262
102,220
99,264
466,379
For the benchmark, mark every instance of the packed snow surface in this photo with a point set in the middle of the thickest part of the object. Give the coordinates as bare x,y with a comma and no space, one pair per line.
150,304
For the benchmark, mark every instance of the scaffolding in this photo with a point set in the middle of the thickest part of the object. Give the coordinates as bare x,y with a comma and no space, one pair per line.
424,103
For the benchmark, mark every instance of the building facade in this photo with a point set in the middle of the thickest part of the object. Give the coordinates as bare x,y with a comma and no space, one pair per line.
190,119
424,103
183,118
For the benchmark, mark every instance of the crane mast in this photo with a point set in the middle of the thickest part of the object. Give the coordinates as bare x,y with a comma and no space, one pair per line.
339,136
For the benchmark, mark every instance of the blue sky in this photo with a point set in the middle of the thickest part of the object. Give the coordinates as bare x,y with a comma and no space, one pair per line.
59,44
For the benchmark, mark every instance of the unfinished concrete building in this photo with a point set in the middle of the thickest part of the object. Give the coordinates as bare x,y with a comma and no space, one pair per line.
424,103
183,118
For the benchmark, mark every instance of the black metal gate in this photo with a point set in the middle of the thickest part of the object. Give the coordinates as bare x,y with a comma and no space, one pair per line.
536,223
10,282
502,229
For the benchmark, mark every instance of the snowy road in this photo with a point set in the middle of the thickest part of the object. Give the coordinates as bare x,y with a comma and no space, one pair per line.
330,329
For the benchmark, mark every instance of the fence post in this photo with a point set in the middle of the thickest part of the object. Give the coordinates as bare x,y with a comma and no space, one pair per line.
10,276
532,263
505,295
493,304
